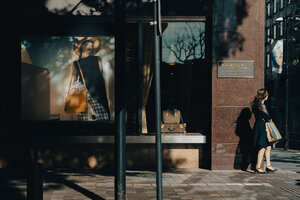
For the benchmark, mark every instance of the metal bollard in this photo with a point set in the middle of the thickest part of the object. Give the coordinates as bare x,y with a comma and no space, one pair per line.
35,181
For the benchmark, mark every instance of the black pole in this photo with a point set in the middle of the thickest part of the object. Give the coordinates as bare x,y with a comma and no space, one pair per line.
120,148
286,78
156,21
34,177
120,75
140,78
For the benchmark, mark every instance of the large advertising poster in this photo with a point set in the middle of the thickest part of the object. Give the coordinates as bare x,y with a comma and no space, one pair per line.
277,57
68,78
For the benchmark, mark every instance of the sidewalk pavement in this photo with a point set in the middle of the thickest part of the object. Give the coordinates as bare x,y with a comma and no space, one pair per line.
178,184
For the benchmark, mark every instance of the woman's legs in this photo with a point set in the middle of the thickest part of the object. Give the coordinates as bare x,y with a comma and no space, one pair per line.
268,157
260,158
99,111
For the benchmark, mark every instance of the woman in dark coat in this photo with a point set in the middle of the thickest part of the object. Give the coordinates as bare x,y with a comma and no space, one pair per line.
260,140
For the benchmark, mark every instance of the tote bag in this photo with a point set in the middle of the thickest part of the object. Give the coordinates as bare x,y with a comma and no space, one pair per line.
76,102
273,134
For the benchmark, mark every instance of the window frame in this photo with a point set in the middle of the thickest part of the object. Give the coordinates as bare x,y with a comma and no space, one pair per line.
268,34
275,6
268,9
268,57
275,35
281,4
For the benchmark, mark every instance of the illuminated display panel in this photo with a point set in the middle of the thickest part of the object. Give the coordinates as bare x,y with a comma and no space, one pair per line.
56,68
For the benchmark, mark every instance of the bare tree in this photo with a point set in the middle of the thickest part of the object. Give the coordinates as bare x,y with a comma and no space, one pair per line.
188,44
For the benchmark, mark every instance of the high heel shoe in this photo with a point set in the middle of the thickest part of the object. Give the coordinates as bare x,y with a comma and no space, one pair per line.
268,170
256,171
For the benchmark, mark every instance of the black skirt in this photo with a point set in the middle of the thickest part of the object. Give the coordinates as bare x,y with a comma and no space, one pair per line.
260,134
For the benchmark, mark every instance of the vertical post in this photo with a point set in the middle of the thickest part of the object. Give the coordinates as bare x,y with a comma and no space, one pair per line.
34,177
286,77
140,78
120,137
120,148
156,22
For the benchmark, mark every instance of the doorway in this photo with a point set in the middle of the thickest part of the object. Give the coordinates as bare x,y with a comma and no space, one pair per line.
185,74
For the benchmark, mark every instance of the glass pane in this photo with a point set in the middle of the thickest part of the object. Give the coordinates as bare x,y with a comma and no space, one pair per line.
275,32
184,72
68,78
269,9
183,42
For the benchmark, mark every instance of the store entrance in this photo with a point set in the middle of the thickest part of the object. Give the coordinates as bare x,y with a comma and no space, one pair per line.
185,75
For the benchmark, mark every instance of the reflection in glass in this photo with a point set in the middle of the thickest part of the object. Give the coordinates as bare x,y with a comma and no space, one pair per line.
183,42
185,75
53,59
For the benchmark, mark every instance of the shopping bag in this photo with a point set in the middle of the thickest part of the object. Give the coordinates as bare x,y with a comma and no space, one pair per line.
75,101
273,134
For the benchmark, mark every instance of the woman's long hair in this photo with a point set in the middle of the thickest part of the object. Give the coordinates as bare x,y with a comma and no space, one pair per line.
260,96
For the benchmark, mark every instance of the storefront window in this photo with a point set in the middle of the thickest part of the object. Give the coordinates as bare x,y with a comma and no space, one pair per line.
184,73
183,42
68,78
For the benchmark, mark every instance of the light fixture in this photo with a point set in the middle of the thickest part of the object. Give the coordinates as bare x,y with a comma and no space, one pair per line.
279,19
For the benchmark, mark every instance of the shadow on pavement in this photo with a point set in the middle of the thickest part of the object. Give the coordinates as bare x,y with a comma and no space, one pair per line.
10,184
54,177
10,192
292,159
82,172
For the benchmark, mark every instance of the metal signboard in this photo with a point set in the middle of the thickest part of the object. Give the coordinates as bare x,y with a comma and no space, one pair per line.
235,69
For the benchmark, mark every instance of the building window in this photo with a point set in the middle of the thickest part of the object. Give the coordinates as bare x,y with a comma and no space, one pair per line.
281,28
268,60
275,32
289,1
275,6
268,35
281,4
268,9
